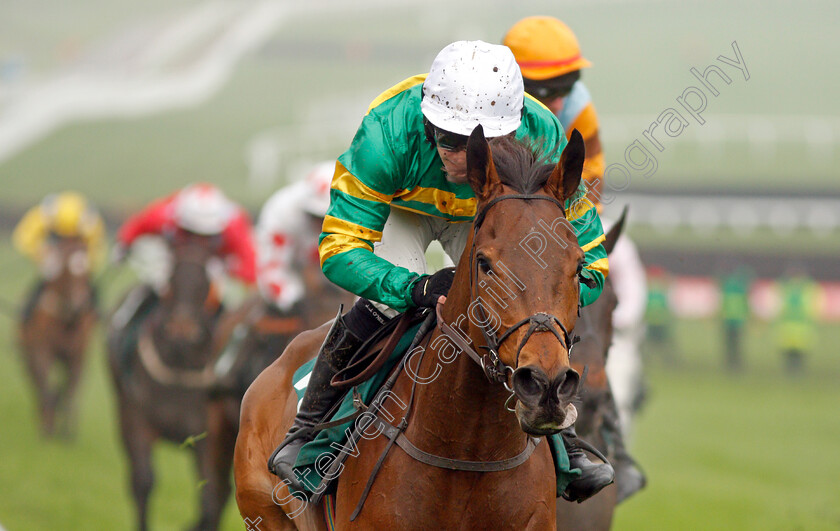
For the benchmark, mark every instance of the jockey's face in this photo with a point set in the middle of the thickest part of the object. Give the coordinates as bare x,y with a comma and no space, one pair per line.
454,164
555,105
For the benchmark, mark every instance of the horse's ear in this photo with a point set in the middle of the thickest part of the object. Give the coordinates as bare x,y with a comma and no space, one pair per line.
615,231
565,178
481,172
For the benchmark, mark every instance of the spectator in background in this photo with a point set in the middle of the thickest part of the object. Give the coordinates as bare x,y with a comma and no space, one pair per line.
800,299
735,311
658,316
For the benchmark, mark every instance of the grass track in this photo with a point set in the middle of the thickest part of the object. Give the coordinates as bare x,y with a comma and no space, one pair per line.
755,451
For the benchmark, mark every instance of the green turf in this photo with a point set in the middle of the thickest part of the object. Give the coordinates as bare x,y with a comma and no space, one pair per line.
722,451
738,451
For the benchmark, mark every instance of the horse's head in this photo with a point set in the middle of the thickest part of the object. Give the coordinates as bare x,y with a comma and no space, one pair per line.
522,267
185,302
66,267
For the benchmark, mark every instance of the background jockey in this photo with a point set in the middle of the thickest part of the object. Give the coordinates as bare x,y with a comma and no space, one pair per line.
549,56
198,209
287,236
63,215
401,185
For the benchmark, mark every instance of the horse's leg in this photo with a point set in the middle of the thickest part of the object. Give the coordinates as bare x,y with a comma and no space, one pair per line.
68,400
214,459
38,362
137,438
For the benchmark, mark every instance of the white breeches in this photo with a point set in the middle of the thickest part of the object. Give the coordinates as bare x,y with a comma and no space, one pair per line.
406,237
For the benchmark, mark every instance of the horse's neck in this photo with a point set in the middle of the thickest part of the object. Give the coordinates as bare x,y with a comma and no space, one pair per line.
157,327
461,410
66,296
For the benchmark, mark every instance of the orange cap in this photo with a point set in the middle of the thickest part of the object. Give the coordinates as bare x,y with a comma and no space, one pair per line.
544,47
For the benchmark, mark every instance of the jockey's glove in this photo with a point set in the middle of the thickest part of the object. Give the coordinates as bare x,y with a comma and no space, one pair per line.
426,291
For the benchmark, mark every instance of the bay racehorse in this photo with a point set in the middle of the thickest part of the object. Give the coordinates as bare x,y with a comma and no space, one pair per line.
247,340
162,369
501,296
55,330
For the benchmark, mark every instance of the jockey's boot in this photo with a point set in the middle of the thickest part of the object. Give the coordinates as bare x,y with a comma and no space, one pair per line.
629,477
593,477
320,396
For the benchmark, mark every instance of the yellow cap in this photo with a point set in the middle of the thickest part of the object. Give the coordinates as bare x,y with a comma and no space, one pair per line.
544,47
68,211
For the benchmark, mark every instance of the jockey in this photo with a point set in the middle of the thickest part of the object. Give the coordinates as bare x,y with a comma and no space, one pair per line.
549,56
198,209
287,236
400,186
63,215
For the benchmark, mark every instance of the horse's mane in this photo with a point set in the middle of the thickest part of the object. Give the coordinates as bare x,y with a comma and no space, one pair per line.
520,164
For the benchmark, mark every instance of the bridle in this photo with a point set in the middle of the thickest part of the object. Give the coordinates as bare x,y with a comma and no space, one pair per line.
490,362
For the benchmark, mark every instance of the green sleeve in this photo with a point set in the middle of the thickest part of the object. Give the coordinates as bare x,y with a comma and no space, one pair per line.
588,229
361,272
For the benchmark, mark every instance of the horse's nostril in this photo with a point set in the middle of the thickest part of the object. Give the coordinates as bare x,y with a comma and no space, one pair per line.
530,385
567,383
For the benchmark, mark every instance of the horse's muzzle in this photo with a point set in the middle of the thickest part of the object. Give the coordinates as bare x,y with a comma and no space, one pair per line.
543,403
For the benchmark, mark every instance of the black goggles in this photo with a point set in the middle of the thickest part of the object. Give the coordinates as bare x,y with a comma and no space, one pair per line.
548,93
450,141
551,89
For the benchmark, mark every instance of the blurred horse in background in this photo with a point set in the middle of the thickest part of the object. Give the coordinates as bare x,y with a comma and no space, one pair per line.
248,340
595,329
54,332
162,369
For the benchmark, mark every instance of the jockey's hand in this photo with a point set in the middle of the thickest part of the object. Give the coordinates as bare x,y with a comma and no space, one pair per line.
118,253
430,288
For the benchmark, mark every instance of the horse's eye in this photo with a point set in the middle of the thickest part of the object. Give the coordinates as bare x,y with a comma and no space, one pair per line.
579,268
483,265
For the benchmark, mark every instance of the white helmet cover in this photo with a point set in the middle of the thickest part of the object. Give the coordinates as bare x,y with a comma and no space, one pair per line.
203,209
318,181
472,83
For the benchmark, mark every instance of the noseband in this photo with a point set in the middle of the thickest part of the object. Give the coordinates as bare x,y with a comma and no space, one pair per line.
492,365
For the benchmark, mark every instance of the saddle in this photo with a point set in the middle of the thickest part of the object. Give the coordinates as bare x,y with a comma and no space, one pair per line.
372,354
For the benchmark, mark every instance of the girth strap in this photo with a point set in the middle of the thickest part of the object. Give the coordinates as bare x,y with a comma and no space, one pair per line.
456,464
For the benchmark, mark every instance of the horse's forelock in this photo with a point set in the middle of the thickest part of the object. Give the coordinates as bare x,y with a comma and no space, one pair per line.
519,164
